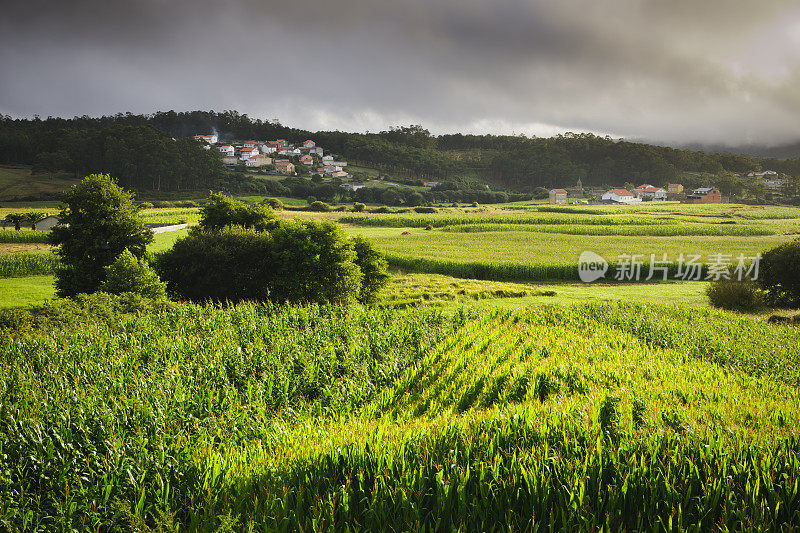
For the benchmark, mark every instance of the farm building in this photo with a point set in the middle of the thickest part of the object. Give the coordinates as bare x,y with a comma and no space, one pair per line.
620,196
703,195
650,192
47,223
558,196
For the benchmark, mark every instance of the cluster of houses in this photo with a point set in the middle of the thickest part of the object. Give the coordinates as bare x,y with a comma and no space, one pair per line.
279,153
770,179
703,195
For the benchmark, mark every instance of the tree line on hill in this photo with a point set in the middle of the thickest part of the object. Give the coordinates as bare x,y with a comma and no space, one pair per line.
152,152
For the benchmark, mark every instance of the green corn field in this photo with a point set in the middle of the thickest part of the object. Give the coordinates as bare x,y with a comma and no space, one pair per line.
27,264
255,417
9,236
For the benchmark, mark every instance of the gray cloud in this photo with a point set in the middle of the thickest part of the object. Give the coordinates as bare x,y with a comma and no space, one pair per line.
678,71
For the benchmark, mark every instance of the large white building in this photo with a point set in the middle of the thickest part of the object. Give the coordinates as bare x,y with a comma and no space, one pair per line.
620,196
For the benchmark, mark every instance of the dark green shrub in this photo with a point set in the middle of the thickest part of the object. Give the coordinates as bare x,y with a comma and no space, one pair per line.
145,205
374,269
132,275
294,262
780,274
225,265
220,212
273,203
318,206
358,207
744,295
423,209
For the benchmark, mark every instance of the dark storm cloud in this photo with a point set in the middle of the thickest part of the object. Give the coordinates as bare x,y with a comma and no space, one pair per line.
717,70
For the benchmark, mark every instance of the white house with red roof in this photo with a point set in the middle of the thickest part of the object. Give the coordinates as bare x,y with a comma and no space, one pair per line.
210,139
250,144
247,152
558,196
227,150
649,191
309,144
307,160
620,196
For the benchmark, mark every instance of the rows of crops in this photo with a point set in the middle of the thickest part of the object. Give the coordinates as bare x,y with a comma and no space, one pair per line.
670,229
7,236
182,215
441,220
599,416
27,264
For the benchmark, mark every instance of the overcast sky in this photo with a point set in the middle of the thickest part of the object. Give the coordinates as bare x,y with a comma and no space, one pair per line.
665,70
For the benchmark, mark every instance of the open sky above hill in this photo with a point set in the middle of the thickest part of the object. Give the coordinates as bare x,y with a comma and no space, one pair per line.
716,71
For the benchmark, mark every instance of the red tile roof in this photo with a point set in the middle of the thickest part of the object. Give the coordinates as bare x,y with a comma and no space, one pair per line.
621,192
559,191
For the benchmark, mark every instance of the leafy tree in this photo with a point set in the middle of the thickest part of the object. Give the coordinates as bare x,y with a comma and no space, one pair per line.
319,207
221,211
373,268
294,262
273,203
780,274
16,219
358,207
129,274
98,222
34,217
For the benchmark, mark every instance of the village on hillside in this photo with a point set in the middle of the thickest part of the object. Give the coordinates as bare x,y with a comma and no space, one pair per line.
770,180
278,156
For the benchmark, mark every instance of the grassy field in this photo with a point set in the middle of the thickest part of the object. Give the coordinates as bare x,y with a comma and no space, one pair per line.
18,183
572,418
25,291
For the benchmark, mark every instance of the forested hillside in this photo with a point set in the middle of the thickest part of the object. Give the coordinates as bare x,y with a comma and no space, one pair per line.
153,152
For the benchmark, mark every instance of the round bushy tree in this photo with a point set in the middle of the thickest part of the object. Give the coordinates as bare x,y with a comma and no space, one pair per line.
98,222
780,274
129,274
220,211
294,262
373,269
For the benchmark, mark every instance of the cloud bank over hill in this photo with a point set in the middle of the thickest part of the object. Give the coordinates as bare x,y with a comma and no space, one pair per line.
718,71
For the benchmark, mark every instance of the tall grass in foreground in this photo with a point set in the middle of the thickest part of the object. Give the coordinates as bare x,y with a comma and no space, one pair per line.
9,236
27,264
259,418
